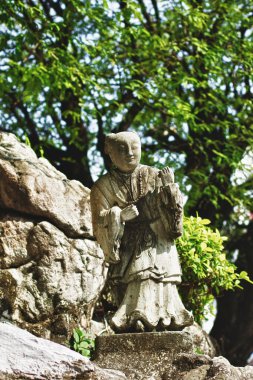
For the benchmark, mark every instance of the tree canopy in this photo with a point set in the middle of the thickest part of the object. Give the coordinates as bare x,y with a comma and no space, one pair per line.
178,72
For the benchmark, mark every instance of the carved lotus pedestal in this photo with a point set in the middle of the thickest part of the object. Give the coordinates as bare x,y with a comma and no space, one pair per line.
143,355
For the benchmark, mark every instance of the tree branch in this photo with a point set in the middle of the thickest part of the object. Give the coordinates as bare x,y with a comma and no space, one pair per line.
130,115
145,14
177,146
29,122
157,15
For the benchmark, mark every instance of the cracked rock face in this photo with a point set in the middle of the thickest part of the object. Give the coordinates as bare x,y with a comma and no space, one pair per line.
51,269
32,186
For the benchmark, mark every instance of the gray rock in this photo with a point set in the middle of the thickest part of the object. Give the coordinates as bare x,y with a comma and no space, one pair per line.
202,367
49,262
99,328
104,374
142,355
164,356
33,186
53,281
24,356
202,343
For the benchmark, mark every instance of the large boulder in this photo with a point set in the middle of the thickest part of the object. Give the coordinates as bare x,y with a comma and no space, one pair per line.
24,356
32,186
51,269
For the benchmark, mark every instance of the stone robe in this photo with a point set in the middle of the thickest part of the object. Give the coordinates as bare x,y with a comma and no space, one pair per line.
144,265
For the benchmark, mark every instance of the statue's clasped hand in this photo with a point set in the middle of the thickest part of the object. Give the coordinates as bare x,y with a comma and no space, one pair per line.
129,213
166,176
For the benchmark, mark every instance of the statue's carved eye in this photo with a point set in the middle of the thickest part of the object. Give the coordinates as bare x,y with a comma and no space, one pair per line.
122,148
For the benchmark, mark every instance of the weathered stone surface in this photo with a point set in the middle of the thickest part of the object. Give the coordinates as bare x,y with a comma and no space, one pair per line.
142,356
202,343
53,281
105,374
137,213
24,356
99,328
33,186
202,367
164,356
51,269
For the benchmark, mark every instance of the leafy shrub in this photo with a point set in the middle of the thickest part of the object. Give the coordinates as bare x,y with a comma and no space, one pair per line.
82,343
206,271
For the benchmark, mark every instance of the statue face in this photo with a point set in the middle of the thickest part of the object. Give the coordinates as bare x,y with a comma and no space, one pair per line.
125,151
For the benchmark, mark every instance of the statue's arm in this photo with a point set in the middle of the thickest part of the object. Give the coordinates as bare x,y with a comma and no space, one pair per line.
108,227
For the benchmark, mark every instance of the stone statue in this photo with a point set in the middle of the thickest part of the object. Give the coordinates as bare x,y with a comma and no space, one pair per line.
136,215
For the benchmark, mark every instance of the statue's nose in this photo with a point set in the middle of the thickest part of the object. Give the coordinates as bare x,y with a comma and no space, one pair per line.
130,152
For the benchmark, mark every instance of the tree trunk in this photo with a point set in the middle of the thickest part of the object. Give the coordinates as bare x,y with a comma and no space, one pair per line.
233,327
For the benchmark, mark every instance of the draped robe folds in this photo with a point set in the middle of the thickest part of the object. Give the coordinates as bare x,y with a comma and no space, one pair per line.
142,255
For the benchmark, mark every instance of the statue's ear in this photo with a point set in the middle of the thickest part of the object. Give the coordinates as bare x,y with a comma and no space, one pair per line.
108,142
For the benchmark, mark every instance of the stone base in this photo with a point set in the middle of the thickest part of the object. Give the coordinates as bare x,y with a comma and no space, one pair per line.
142,355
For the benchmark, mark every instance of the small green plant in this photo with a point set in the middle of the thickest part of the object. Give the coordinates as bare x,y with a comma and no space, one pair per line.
82,342
41,150
199,351
27,141
206,270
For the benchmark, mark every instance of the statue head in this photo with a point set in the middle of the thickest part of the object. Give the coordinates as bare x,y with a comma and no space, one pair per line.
124,149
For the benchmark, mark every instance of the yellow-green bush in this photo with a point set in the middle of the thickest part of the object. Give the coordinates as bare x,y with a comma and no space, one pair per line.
206,270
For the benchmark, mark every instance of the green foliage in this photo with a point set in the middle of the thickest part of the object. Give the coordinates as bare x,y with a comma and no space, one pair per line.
41,151
178,72
206,270
27,141
199,351
82,343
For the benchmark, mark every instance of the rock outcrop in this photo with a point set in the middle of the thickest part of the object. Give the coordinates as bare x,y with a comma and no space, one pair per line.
201,341
24,356
202,367
51,269
32,186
